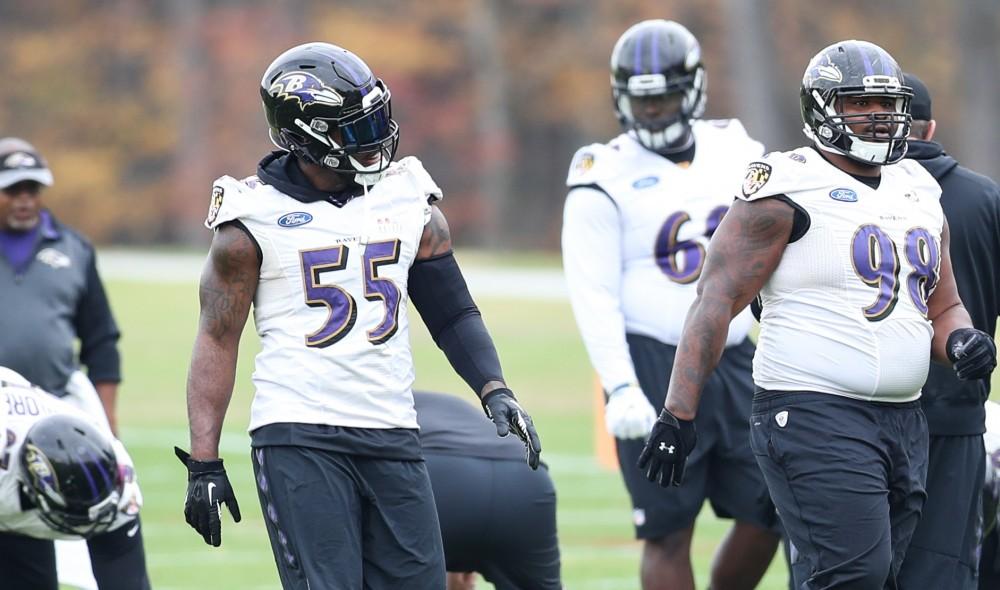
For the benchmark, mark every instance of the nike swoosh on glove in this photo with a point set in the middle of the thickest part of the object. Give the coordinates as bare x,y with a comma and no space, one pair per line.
628,413
208,488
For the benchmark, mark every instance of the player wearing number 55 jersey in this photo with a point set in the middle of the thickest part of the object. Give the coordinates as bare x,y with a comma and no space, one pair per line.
637,220
847,246
328,242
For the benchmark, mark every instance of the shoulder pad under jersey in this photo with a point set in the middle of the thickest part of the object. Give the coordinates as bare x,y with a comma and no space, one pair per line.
414,168
591,164
229,200
784,173
922,180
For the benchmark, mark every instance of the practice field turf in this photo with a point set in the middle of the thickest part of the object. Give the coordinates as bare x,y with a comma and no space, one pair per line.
545,364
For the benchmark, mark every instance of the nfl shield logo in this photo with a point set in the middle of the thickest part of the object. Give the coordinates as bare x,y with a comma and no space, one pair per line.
757,176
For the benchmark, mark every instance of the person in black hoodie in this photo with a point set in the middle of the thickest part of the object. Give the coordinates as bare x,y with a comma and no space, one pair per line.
944,552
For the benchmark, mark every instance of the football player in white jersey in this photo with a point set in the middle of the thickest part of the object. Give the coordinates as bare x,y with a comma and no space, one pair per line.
640,211
328,241
847,245
64,476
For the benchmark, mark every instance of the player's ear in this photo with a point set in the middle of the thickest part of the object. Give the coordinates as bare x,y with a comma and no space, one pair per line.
931,128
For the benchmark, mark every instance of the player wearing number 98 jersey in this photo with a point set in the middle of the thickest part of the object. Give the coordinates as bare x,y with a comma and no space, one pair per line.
854,286
328,243
847,246
637,221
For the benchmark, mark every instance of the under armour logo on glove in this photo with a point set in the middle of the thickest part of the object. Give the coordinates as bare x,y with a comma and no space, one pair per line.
667,449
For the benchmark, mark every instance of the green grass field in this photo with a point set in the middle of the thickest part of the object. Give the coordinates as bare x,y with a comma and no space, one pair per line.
544,361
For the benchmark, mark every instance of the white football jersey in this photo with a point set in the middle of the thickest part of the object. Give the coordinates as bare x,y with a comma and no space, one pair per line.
845,312
21,406
330,306
635,229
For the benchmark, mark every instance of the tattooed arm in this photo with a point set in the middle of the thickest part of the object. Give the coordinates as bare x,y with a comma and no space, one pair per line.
742,255
228,284
436,239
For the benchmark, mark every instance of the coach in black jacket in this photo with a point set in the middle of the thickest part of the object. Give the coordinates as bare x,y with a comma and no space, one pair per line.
944,552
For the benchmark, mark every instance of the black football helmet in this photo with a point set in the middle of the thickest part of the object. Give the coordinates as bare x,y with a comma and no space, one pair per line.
853,68
325,105
658,58
71,475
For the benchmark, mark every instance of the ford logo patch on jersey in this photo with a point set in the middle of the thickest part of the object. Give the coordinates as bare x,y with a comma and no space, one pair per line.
844,194
294,219
645,182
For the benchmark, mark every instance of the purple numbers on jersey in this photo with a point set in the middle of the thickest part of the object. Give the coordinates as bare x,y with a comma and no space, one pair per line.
923,254
874,256
376,288
668,249
343,310
876,261
342,307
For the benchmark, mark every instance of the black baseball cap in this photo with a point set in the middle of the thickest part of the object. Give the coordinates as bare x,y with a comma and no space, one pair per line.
920,104
20,161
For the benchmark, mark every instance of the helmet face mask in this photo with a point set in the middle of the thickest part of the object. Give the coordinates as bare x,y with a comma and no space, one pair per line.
843,76
71,475
323,104
658,58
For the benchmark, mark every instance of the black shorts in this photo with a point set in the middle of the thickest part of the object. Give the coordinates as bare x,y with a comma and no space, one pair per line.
847,477
498,518
944,551
721,469
339,521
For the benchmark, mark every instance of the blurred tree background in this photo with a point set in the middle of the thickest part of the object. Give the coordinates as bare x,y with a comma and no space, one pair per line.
139,105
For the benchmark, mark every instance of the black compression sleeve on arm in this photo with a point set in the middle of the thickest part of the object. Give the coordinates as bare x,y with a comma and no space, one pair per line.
438,291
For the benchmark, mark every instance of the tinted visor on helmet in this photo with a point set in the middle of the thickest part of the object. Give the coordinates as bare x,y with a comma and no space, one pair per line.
365,130
371,129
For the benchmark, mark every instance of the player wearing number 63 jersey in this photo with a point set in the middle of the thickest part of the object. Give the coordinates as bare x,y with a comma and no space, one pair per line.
328,242
637,221
847,246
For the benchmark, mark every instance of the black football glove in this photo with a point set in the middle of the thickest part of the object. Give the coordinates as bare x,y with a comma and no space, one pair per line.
670,442
208,488
501,407
972,353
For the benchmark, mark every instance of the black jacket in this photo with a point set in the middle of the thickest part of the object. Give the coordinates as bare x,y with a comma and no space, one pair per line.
971,204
